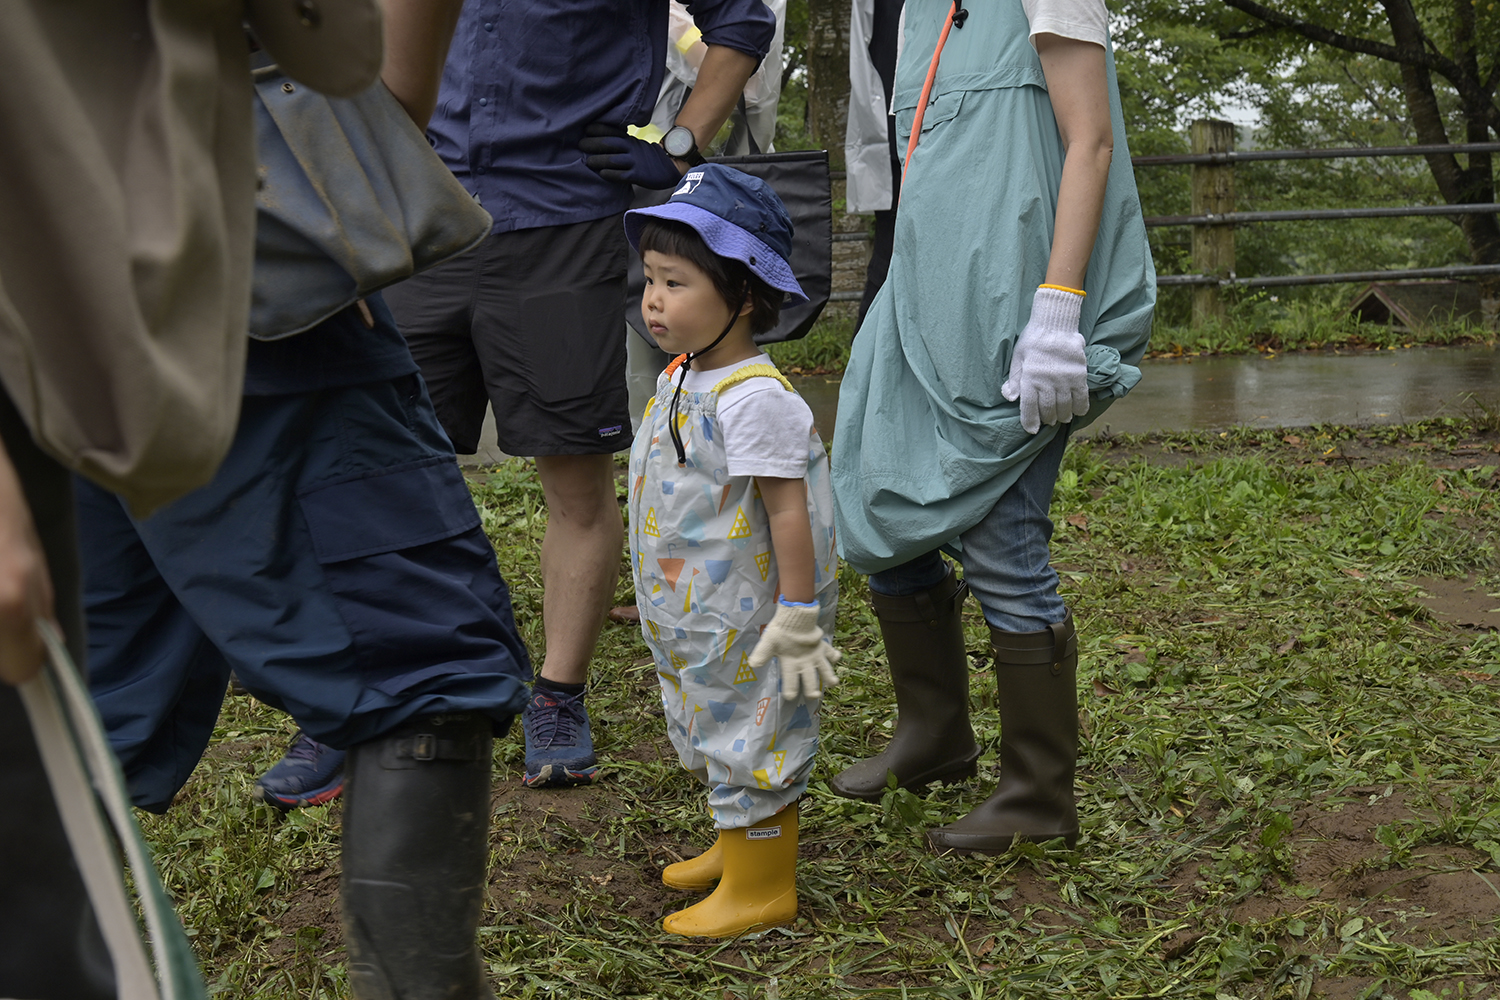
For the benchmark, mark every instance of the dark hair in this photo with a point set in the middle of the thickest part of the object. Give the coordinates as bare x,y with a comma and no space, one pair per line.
731,278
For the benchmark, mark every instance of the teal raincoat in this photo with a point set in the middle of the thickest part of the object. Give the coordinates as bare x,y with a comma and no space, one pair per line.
924,444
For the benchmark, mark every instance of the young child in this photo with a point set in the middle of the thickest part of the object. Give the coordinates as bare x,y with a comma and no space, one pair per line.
731,536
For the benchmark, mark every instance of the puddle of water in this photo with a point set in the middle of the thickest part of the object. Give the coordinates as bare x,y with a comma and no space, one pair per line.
1283,391
1463,601
1387,387
821,393
1294,390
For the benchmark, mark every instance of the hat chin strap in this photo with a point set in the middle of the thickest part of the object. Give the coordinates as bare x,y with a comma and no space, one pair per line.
687,362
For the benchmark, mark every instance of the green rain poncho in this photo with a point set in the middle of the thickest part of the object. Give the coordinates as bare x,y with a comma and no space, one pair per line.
925,444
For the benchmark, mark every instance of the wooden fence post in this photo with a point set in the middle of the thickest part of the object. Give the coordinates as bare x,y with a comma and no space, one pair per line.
1213,193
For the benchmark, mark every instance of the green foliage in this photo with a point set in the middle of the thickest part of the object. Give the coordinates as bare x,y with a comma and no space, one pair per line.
824,349
1265,320
791,110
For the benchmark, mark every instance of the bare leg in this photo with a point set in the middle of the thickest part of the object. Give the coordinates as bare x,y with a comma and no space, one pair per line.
580,559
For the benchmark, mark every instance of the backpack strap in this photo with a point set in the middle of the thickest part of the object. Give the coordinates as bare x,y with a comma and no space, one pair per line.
749,372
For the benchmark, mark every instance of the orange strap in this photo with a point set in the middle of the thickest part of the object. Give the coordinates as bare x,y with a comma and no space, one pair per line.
676,363
916,124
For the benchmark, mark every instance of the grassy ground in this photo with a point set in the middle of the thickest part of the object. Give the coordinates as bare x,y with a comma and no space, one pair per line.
1258,324
1288,782
825,349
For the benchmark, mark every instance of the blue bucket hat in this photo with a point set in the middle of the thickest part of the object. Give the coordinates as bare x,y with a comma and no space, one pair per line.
738,216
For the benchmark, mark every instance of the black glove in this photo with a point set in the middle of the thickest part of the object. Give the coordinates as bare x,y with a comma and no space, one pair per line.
619,156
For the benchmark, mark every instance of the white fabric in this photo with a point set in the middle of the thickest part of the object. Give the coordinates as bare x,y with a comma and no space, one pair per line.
867,151
1048,372
1085,20
793,636
759,417
685,51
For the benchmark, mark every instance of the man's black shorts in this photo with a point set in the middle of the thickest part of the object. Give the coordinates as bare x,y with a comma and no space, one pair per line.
529,321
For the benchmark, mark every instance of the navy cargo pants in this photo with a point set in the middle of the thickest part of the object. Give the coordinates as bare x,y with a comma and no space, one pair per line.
335,563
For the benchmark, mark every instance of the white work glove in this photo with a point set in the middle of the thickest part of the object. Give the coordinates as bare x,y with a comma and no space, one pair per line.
806,660
1048,373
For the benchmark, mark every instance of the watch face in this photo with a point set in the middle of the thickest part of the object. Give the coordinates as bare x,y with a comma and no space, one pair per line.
678,141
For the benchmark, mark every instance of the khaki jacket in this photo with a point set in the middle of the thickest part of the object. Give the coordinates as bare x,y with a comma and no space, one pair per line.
127,220
126,235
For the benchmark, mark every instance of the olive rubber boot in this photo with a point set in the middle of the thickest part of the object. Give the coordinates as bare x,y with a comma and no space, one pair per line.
416,856
697,873
1036,673
759,887
924,642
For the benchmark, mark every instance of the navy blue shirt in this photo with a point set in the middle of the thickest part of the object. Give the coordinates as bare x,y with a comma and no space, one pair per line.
524,78
340,351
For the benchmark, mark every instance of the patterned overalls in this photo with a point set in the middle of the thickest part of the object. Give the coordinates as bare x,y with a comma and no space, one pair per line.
706,584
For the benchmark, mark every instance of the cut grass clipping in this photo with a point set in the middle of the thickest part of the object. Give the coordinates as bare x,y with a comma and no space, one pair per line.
1288,781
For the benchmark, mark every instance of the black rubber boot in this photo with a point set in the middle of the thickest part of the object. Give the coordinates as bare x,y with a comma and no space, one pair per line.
924,641
1037,677
416,856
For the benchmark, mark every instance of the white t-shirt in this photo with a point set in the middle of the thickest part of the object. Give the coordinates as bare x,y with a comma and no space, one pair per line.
1085,20
766,429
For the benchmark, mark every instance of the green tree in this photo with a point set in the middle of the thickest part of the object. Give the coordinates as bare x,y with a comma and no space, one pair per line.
828,75
1447,56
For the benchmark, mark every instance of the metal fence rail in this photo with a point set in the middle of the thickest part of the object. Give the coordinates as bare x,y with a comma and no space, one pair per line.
1214,218
1315,214
1347,152
1346,277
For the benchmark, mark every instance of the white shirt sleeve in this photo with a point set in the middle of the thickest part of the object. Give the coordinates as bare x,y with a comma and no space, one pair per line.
766,430
1085,20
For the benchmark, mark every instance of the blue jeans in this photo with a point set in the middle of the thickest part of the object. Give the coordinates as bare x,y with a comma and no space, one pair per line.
1005,556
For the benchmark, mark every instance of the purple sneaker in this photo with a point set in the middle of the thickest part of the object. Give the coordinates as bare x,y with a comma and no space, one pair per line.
559,749
309,775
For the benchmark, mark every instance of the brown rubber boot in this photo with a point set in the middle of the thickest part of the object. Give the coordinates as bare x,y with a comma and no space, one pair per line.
1037,677
416,856
924,641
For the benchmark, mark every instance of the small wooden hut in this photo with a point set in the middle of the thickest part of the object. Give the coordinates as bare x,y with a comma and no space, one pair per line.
1407,305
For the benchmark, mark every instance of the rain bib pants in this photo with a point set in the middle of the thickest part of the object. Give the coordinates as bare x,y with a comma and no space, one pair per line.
706,583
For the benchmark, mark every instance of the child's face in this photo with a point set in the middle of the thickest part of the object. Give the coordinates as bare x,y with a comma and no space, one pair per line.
681,306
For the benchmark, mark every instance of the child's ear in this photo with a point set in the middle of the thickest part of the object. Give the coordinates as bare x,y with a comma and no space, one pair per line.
748,305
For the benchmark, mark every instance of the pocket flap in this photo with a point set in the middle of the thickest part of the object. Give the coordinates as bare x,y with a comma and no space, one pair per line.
942,108
388,510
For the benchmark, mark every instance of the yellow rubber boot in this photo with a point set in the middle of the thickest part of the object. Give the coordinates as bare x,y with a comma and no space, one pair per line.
697,873
758,888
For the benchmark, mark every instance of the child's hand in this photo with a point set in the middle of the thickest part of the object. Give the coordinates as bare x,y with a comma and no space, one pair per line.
806,660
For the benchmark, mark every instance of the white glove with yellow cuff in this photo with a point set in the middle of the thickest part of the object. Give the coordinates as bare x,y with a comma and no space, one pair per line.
807,661
1048,373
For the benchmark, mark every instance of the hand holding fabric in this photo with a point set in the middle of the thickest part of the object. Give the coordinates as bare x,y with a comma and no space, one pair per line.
806,660
1048,374
619,156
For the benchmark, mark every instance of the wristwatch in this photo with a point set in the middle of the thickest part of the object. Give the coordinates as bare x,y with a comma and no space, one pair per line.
681,144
